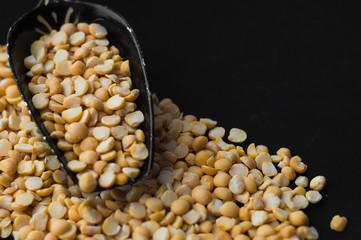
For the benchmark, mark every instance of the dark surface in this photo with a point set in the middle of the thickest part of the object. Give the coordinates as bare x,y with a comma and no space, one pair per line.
286,72
22,34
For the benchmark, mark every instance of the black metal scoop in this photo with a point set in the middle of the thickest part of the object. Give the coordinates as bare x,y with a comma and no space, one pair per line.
23,33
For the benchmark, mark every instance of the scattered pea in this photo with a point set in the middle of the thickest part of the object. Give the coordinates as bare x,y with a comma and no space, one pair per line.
318,183
338,223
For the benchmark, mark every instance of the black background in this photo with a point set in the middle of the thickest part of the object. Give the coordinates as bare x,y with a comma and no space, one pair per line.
287,72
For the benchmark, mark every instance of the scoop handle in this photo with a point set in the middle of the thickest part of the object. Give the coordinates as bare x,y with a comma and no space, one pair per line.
46,2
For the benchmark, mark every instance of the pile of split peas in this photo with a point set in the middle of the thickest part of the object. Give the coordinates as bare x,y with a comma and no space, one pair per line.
203,184
82,87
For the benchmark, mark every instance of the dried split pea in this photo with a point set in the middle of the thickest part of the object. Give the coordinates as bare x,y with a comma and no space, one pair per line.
198,128
57,210
91,215
298,218
131,172
154,204
134,119
33,183
78,130
72,115
202,196
76,166
87,182
111,226
229,209
318,183
313,196
77,38
111,121
338,223
237,135
116,102
137,210
63,67
25,199
180,206
139,151
40,101
216,132
107,179
5,147
97,30
101,133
